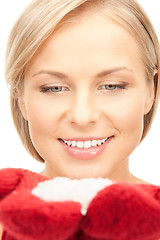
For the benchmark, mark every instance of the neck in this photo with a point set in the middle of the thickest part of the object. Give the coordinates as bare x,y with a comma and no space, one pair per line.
122,173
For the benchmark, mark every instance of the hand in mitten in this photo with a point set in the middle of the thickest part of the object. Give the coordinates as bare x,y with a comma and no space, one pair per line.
87,209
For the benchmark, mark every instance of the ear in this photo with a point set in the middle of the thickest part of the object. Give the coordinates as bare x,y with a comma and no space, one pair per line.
22,107
151,93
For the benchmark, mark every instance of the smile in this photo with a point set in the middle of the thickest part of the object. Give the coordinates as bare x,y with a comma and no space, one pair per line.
85,144
85,150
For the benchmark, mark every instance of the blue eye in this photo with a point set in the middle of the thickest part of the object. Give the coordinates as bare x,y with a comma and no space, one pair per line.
55,89
112,87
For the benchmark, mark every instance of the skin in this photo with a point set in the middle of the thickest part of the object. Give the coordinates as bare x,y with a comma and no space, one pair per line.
84,107
0,231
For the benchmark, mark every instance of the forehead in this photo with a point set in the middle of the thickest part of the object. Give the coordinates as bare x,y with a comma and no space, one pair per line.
91,40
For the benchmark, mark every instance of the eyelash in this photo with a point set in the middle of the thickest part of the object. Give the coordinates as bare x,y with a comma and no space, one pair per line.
115,86
49,89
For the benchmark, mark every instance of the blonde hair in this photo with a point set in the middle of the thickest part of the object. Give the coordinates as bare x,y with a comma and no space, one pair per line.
42,17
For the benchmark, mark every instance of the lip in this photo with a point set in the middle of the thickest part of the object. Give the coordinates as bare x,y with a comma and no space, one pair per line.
84,154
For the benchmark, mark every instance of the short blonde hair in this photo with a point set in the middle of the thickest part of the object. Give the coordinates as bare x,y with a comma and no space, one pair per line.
42,17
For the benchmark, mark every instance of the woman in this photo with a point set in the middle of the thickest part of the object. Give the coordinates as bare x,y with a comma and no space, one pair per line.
86,71
84,83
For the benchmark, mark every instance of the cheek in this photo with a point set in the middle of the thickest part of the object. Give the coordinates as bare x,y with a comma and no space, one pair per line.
43,115
43,120
130,118
127,116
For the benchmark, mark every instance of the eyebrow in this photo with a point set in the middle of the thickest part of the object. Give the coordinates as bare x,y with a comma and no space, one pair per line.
52,73
99,75
113,70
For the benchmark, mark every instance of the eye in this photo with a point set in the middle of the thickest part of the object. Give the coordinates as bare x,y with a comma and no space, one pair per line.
112,87
55,89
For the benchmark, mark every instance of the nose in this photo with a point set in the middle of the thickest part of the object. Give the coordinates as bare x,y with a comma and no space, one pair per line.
83,110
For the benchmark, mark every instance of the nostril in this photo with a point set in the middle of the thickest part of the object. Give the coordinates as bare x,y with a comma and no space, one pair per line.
83,117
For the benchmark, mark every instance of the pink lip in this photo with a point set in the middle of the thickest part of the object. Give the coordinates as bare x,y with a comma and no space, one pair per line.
85,154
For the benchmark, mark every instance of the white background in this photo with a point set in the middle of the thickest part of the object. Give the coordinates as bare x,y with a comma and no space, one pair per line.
144,162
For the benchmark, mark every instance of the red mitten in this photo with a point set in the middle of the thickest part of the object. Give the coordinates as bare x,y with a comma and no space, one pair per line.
30,218
24,216
12,180
9,180
129,211
86,209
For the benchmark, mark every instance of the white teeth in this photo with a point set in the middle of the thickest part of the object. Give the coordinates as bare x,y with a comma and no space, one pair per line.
73,144
94,143
80,144
69,143
85,144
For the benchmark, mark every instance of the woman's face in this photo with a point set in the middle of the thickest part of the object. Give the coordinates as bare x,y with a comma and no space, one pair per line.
86,83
